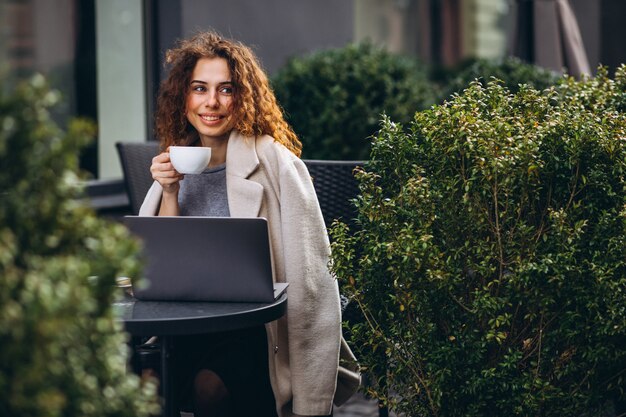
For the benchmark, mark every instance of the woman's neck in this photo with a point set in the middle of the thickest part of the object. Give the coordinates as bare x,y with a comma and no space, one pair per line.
218,147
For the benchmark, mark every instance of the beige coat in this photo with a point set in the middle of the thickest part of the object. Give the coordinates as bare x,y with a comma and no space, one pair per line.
264,179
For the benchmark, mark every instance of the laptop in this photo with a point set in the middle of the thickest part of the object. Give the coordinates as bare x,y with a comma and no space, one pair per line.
190,258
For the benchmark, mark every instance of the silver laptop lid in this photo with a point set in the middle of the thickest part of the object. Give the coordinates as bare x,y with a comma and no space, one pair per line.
204,258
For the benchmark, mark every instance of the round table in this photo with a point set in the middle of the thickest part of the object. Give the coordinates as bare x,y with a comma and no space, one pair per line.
167,319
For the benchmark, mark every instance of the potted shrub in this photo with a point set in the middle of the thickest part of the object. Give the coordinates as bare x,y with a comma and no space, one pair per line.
488,257
62,353
334,98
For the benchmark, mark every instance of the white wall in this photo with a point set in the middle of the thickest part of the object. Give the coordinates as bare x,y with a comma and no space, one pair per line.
121,80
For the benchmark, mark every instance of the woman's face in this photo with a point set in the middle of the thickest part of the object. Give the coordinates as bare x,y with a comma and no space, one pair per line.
210,100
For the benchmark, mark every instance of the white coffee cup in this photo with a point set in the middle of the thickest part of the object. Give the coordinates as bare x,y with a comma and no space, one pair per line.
190,159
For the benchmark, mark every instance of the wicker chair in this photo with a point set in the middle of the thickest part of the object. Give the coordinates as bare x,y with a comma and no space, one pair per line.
335,186
334,182
136,158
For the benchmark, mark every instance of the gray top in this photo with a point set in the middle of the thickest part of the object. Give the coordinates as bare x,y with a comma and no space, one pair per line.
204,194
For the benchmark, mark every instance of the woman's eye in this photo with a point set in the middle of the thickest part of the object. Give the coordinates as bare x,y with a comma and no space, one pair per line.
226,89
198,88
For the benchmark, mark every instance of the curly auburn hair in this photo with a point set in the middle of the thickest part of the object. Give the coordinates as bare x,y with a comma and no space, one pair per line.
255,109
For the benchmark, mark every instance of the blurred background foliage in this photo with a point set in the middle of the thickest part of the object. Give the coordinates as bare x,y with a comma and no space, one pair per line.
62,352
334,99
512,71
488,256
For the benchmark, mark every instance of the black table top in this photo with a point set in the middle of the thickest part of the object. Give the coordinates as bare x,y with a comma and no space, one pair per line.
164,318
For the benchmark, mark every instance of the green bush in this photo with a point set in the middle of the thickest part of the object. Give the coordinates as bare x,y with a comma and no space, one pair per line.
334,99
62,352
512,71
489,254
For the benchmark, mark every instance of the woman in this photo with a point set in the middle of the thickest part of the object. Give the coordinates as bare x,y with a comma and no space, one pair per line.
217,95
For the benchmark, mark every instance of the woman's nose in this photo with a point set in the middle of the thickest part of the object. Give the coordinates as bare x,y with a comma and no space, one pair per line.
212,100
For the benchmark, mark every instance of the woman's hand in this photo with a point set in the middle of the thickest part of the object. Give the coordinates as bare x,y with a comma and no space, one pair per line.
164,173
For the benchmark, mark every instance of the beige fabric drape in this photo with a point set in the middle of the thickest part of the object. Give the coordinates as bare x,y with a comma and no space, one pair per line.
546,33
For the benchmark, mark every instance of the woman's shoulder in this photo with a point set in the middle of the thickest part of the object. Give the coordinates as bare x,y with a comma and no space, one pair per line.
269,149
